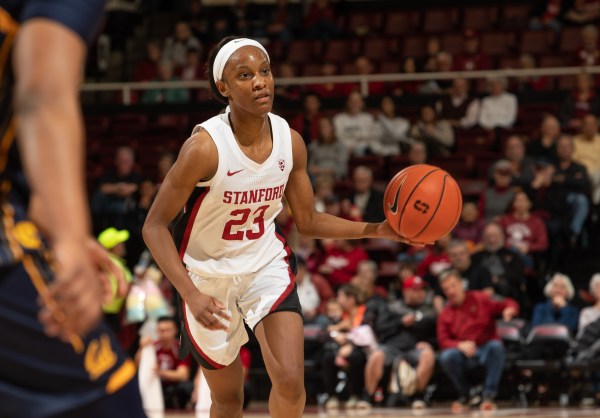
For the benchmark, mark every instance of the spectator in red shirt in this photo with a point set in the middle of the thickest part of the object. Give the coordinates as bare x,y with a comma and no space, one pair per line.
147,69
525,231
329,90
364,66
466,333
471,58
307,122
580,102
341,260
174,373
531,83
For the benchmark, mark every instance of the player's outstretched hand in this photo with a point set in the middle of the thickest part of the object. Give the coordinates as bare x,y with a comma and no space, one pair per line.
207,311
72,305
384,230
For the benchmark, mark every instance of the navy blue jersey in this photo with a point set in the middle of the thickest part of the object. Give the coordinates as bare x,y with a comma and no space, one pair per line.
83,18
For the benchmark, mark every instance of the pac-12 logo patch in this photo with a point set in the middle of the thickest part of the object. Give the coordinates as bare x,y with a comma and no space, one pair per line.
281,164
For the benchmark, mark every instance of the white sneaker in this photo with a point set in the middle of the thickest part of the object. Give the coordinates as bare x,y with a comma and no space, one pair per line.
332,403
351,402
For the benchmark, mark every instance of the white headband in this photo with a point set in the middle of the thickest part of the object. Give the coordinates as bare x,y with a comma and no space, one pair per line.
227,51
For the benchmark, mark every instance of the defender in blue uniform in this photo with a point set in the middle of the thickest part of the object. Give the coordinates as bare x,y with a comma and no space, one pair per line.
56,357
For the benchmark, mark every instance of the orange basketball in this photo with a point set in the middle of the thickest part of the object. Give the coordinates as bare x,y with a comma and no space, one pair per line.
422,203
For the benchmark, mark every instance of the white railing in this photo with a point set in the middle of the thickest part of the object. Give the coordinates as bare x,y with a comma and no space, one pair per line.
127,87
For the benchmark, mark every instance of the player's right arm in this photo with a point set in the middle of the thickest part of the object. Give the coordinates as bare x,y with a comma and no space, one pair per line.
197,160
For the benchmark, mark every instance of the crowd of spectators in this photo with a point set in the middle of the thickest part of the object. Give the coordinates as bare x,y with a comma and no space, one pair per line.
380,332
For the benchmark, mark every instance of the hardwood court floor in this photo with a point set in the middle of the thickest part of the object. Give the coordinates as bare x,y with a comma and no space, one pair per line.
312,412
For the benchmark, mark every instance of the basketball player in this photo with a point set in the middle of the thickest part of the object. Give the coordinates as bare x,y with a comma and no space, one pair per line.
231,176
42,49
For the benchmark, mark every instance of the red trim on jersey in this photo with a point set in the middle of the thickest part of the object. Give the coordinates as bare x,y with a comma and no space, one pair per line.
198,349
290,287
190,224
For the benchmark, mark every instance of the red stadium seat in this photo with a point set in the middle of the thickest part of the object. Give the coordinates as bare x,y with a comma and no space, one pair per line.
547,61
389,67
311,69
341,50
536,41
452,43
497,43
480,18
440,20
414,46
401,23
570,40
566,82
301,51
378,49
362,23
515,16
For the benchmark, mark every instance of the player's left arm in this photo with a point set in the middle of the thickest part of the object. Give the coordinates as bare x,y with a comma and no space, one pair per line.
299,194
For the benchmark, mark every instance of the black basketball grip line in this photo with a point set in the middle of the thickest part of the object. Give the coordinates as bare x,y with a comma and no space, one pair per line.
436,209
409,196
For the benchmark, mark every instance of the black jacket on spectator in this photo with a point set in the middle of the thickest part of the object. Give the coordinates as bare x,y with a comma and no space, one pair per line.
373,211
507,272
424,329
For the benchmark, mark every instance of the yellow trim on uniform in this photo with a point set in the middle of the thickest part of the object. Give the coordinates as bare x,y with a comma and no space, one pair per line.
9,224
40,285
121,376
6,142
8,26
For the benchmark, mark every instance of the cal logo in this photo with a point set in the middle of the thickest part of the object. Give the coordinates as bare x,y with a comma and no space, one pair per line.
99,357
27,235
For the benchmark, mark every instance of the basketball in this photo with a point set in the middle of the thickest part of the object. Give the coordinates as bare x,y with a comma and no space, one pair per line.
422,203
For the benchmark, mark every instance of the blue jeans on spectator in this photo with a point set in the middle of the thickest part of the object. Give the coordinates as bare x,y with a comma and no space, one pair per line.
489,355
580,208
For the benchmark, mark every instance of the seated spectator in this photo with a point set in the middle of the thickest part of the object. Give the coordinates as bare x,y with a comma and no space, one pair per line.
147,69
523,167
572,185
589,334
591,313
364,66
417,153
474,276
582,12
466,334
588,54
470,226
505,266
399,88
114,199
391,130
321,21
114,242
544,146
409,350
341,354
495,200
365,196
432,48
287,92
366,278
307,122
313,291
436,133
310,251
443,63
471,58
168,94
548,15
283,20
459,107
330,90
557,309
176,46
327,155
499,109
532,82
436,261
354,126
580,102
173,372
323,186
192,69
340,260
587,153
342,208
199,19
525,231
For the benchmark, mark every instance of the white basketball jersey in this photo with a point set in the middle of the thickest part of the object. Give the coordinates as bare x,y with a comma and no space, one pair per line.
228,226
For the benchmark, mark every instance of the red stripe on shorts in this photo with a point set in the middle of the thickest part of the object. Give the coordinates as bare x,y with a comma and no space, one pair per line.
190,224
290,287
198,349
